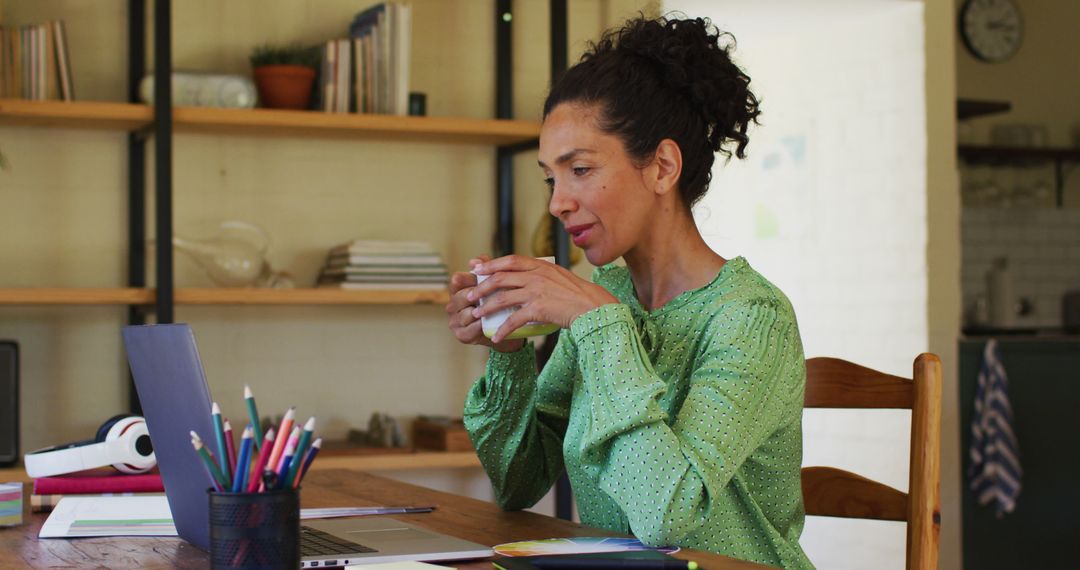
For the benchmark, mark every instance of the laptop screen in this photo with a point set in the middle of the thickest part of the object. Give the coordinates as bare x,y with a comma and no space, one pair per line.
175,400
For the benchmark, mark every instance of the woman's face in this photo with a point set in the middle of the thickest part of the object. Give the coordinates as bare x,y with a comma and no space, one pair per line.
597,192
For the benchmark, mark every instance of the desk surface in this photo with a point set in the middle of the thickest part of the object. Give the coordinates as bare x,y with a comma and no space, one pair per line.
463,517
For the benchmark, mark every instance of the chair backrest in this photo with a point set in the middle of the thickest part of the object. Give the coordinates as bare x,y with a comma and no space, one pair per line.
835,383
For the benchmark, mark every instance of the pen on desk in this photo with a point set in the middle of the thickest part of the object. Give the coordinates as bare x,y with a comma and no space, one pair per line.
298,453
211,466
260,462
282,437
315,447
399,510
243,461
230,444
223,452
253,415
611,563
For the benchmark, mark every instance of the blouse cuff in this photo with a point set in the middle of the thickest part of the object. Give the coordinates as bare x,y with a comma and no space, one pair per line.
599,318
502,379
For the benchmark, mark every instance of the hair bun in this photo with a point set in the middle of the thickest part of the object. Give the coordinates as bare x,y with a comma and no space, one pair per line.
694,59
666,78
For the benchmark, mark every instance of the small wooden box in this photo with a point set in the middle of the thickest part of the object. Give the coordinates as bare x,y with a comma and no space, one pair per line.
443,435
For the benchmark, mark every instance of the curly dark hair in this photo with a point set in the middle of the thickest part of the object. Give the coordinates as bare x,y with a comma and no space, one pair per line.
665,78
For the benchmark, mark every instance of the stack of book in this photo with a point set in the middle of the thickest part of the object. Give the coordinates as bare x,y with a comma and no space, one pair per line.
368,72
11,504
373,264
49,490
34,62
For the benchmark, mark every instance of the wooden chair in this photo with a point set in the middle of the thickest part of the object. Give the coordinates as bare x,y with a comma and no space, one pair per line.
835,383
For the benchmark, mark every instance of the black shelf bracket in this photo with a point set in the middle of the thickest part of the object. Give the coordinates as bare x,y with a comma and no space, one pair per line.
504,109
564,493
163,228
504,169
136,178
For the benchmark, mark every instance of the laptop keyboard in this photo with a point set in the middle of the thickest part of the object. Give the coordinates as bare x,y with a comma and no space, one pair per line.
314,542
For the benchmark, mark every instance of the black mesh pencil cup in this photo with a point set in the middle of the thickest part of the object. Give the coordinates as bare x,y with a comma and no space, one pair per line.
255,530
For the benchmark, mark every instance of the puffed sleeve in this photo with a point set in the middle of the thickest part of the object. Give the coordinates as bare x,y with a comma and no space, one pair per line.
517,419
665,472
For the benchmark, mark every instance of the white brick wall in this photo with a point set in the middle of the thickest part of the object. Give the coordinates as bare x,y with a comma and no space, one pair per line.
831,207
1042,246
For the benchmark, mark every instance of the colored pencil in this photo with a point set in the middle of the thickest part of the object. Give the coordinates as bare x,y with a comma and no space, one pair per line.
315,447
260,462
282,437
216,476
253,415
282,471
223,451
244,460
230,445
290,447
298,453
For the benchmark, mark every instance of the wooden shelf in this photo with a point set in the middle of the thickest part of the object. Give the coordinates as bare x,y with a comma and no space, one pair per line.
1008,154
134,296
971,108
318,296
268,122
390,461
74,115
399,461
76,296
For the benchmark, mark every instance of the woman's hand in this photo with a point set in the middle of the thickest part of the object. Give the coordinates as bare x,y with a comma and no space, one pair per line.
543,291
463,323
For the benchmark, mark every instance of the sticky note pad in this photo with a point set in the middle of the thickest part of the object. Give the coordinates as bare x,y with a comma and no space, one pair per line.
11,504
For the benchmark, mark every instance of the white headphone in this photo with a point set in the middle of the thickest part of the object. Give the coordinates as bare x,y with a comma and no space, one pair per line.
123,442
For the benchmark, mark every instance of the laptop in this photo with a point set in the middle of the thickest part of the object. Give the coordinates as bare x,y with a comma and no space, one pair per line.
175,399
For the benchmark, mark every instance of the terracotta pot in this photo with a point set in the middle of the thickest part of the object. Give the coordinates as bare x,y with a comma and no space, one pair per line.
284,86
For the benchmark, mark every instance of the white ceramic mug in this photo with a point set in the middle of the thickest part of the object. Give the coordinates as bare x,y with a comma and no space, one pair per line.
491,323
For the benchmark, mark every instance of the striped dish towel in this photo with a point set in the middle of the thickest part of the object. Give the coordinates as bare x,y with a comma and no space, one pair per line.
995,455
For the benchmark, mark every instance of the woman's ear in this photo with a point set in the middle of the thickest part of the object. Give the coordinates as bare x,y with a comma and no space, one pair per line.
668,163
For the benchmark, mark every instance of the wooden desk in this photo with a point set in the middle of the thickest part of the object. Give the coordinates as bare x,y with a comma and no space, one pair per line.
463,517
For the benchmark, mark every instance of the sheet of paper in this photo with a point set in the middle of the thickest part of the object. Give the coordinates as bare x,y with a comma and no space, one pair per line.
109,516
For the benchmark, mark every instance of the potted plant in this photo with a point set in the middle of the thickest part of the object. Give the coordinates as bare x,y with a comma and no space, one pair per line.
284,75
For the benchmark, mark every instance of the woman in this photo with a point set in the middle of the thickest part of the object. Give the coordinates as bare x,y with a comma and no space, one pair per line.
673,398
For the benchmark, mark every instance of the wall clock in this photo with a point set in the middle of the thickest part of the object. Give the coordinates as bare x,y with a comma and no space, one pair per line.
992,30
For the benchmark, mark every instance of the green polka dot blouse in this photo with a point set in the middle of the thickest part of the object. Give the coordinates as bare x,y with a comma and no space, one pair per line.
680,425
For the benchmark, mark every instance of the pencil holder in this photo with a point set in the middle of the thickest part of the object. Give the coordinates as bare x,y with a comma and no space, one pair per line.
255,530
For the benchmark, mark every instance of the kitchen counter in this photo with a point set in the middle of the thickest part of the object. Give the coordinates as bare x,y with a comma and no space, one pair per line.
1020,333
1043,391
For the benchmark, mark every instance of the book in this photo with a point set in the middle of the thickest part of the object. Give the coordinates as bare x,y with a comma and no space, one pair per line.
35,62
382,35
434,279
11,504
369,246
46,503
397,259
63,60
97,483
343,64
396,270
389,286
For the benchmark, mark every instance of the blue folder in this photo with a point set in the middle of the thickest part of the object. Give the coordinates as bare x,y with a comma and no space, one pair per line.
175,400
